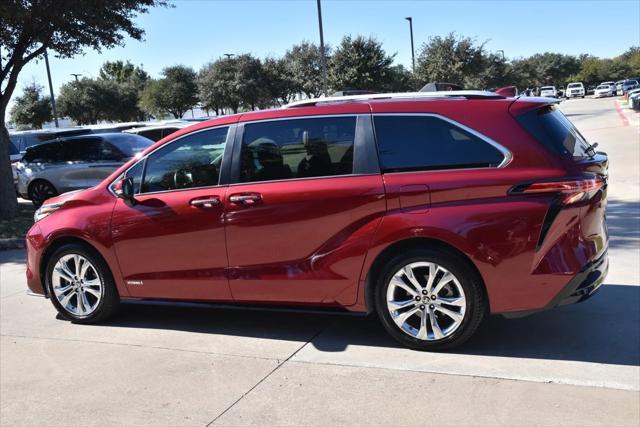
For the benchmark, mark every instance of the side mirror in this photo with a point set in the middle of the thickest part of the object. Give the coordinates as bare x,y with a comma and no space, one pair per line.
124,188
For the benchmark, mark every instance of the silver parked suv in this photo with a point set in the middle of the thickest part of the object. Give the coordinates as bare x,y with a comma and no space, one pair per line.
74,163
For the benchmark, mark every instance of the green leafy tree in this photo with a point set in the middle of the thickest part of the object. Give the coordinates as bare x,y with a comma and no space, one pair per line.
452,59
32,108
174,93
546,68
66,28
128,82
360,63
88,101
280,85
305,64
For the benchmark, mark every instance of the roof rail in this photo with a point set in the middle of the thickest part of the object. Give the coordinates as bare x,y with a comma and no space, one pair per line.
468,94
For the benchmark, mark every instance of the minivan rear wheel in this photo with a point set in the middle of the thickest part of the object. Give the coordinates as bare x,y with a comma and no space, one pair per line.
430,299
80,284
41,190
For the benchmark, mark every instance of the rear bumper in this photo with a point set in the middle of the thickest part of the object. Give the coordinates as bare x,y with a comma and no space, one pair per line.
582,287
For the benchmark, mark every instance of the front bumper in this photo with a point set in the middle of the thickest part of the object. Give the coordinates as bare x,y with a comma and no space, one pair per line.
582,287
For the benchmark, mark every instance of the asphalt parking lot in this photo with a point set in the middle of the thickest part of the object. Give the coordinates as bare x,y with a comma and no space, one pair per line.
167,365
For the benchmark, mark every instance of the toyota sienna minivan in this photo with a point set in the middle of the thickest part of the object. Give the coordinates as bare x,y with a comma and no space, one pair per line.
430,210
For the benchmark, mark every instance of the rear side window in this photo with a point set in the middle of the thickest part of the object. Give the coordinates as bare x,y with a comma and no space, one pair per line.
13,149
129,145
300,148
45,153
409,143
82,150
552,128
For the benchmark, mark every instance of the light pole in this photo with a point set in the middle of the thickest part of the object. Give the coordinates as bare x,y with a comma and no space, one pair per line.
323,58
75,75
501,52
229,55
53,99
413,53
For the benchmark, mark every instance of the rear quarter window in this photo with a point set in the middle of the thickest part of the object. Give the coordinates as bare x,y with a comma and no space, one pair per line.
554,130
407,143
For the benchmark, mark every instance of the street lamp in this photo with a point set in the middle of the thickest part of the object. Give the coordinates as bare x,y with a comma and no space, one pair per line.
413,54
501,52
75,75
229,55
53,99
323,59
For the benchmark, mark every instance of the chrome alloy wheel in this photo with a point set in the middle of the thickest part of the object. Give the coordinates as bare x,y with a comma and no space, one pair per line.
426,301
76,285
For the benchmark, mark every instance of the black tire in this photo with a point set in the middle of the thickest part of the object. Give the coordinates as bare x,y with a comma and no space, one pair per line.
109,301
41,190
471,283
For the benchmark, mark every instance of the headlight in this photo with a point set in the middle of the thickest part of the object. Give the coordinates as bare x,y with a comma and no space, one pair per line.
45,210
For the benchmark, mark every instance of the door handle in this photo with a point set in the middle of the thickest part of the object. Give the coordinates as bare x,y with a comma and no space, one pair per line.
246,199
205,202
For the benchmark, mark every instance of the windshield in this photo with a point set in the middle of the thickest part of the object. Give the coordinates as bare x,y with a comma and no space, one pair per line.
575,85
603,87
547,88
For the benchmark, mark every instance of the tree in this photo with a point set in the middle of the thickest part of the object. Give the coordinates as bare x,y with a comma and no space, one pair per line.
66,27
174,93
32,108
124,73
87,101
360,63
400,80
305,64
545,69
128,81
280,84
450,59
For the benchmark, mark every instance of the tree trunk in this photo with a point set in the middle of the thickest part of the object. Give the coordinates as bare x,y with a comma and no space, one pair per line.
8,200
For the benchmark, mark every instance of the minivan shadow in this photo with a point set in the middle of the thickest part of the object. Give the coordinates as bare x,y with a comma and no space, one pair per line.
602,329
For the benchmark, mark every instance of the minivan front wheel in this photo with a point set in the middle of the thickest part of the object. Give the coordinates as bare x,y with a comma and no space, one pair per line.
430,299
80,284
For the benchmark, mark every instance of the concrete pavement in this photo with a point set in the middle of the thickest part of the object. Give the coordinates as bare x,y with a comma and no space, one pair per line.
168,365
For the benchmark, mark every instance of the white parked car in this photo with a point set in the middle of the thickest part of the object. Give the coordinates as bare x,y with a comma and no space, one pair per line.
548,91
575,90
603,90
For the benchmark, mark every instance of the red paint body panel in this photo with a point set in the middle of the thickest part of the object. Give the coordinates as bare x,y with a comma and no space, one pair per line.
313,241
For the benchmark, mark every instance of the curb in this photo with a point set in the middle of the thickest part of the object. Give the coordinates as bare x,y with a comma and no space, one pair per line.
12,243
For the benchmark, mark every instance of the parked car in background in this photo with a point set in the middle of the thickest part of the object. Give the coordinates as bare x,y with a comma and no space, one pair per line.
634,100
548,91
591,90
575,90
603,90
630,93
159,131
619,87
113,127
398,204
73,163
628,84
21,140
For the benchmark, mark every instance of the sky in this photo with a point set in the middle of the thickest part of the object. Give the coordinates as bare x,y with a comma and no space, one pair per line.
196,32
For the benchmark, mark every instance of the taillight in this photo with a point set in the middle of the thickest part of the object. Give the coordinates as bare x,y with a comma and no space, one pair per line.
570,190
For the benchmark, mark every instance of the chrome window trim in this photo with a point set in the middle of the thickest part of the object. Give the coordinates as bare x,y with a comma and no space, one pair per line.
508,157
229,139
235,184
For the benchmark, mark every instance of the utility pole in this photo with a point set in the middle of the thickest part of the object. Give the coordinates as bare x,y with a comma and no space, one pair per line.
413,54
76,75
53,99
323,58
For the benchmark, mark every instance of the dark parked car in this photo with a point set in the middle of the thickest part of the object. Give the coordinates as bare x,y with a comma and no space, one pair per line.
430,209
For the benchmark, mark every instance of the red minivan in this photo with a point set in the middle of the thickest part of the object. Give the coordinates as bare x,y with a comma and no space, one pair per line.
431,210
